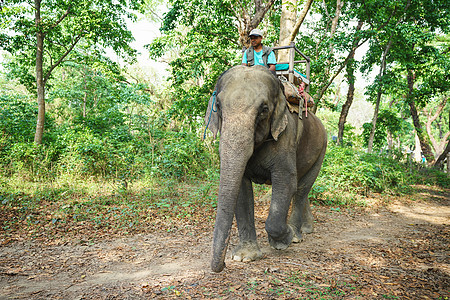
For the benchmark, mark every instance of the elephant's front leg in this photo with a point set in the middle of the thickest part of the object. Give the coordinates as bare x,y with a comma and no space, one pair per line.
283,189
248,248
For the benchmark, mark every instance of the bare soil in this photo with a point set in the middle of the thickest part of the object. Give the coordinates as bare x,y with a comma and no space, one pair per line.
395,248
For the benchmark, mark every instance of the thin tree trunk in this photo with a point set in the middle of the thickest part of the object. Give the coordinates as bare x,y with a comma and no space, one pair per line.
334,23
380,92
445,153
39,74
374,123
85,93
356,43
348,102
424,145
438,146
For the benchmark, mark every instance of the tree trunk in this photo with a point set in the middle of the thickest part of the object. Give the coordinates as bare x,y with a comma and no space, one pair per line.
377,105
448,164
334,22
246,22
348,103
417,150
424,145
438,146
445,153
356,43
374,122
39,75
287,22
300,20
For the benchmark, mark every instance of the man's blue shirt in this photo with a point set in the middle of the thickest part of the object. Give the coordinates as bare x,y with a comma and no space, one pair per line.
271,60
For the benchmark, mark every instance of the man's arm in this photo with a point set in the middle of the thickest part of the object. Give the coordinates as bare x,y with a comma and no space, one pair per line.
271,61
244,59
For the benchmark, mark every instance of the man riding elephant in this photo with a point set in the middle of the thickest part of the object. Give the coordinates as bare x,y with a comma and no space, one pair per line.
257,53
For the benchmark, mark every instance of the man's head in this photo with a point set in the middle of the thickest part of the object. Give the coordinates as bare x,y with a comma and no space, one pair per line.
256,36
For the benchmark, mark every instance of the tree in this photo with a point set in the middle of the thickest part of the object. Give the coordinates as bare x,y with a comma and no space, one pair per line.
50,30
331,42
409,42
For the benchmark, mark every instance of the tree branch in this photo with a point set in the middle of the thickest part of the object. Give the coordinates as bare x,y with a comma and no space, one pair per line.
260,12
60,19
356,44
53,66
430,120
300,19
439,110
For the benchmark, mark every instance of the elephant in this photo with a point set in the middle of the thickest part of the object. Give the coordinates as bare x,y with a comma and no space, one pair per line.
261,142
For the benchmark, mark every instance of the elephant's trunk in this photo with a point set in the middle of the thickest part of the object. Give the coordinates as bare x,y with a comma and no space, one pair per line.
236,148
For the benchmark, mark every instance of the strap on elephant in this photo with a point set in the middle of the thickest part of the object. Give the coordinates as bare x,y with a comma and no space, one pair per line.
296,103
210,113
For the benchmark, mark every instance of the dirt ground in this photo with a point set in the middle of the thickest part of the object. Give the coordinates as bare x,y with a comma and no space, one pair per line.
396,248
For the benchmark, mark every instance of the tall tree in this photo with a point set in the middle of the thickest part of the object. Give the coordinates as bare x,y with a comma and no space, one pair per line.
50,30
424,63
332,41
348,103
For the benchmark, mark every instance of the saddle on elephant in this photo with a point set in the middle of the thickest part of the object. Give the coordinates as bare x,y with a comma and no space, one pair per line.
297,98
296,84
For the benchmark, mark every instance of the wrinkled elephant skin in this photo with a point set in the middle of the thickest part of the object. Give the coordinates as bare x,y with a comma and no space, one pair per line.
261,142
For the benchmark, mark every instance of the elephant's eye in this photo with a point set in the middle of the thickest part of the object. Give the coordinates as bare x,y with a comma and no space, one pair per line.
264,109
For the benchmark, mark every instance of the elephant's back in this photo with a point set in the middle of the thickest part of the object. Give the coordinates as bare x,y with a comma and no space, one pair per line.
313,139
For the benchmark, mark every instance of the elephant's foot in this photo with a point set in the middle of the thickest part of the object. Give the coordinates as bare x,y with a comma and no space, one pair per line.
307,228
247,251
283,241
298,237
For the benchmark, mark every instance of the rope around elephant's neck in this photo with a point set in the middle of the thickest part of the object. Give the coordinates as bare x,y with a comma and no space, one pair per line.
210,113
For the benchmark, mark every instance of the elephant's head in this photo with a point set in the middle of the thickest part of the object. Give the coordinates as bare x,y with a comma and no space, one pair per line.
248,108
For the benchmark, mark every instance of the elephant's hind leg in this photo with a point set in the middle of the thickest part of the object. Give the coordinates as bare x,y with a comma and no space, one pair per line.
248,248
301,219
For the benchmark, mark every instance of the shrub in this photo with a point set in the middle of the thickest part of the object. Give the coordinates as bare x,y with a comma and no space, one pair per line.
182,154
347,172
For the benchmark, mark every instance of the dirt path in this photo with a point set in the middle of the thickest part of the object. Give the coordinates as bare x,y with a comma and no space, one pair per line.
395,251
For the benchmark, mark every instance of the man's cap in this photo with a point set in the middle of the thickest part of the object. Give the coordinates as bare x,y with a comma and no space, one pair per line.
256,32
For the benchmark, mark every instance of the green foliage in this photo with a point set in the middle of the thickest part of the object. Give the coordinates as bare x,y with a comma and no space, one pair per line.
99,24
109,141
202,40
387,122
182,154
17,119
348,174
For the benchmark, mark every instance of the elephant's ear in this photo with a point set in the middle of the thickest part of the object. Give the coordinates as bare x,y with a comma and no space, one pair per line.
279,117
212,118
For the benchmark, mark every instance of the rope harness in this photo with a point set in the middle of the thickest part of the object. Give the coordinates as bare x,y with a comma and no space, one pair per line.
299,91
210,113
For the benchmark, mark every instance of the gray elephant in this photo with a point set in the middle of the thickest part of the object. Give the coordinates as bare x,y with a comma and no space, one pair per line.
261,142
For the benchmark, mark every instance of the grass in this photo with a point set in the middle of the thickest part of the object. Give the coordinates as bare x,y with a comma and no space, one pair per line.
67,208
59,206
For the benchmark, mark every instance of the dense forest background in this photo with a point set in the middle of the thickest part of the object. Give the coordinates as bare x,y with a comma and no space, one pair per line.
78,110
